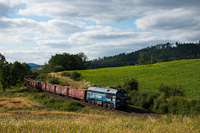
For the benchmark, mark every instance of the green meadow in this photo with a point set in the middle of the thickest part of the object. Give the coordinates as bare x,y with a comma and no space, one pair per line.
184,73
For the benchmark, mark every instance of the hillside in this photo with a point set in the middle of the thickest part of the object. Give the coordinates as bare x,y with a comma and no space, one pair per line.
182,72
153,54
35,66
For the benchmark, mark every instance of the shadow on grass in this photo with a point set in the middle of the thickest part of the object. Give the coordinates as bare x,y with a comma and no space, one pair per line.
134,109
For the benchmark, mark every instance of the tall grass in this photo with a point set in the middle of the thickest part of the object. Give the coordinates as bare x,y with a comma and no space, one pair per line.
85,124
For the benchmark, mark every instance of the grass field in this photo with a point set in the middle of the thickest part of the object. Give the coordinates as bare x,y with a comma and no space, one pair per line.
182,72
21,112
35,121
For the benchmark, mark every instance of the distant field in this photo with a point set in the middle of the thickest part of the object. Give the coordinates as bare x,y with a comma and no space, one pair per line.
182,72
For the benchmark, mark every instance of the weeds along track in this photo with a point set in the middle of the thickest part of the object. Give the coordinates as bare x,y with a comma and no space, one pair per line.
128,111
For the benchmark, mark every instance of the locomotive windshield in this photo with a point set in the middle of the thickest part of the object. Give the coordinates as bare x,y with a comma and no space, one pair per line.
121,94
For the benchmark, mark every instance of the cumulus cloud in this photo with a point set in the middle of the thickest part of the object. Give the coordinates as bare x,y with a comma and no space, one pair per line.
79,26
101,11
169,20
53,27
29,56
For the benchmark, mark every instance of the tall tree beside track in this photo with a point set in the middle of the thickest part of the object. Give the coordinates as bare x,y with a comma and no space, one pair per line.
4,73
12,74
17,72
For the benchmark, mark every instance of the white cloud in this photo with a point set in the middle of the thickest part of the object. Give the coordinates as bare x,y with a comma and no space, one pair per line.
102,11
37,56
177,19
53,27
68,28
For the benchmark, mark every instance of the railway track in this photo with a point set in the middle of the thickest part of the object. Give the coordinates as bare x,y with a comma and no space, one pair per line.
128,111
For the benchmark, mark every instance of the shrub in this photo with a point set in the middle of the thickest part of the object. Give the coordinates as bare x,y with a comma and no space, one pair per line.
142,99
42,77
195,106
53,80
160,105
75,76
130,84
64,83
66,74
58,68
171,90
178,105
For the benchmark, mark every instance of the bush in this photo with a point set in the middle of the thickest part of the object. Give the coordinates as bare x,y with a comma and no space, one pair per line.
195,107
130,84
42,77
178,105
160,106
142,99
75,76
171,90
64,83
66,74
53,80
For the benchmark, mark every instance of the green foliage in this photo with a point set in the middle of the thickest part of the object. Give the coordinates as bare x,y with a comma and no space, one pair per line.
130,84
66,74
142,99
42,77
63,83
12,74
159,53
53,80
75,76
57,104
4,73
65,61
195,106
183,73
143,60
160,105
178,105
171,91
58,68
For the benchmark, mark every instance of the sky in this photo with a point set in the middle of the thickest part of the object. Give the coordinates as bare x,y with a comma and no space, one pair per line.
32,31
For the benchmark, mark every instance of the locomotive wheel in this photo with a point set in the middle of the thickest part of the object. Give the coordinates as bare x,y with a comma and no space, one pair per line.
90,102
105,105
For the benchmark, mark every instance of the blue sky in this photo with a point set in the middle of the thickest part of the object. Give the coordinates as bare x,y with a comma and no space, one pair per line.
31,31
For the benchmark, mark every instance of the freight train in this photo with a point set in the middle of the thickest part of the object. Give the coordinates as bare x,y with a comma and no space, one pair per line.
104,96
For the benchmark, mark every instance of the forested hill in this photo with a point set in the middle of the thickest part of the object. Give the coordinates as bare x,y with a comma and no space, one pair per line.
150,55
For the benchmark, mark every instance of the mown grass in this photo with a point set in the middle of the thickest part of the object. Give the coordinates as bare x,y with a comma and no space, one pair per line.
185,73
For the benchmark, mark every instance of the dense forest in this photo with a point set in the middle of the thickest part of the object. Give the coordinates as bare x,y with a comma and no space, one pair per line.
150,55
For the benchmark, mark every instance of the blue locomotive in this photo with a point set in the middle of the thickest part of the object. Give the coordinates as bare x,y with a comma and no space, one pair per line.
107,97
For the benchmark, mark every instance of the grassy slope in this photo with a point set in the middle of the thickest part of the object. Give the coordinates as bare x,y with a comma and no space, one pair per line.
182,72
22,117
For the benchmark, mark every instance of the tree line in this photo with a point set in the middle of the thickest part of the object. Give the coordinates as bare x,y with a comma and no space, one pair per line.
150,55
12,73
66,61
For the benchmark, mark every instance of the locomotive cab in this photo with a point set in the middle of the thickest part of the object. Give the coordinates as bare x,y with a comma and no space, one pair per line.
108,97
121,97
